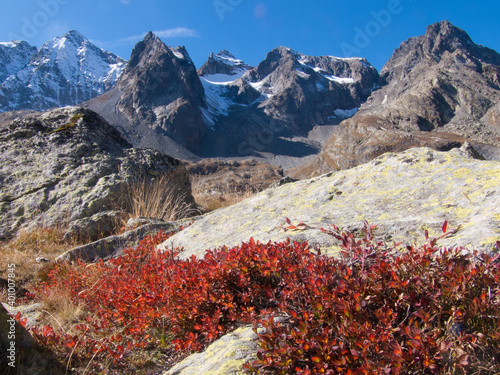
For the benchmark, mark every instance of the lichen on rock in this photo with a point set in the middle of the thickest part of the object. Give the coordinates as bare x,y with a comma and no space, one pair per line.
52,174
403,194
225,356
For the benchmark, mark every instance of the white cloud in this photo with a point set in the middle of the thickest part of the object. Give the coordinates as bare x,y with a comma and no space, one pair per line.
178,32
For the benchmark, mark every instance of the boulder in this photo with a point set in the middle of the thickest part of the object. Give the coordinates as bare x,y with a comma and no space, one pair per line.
225,356
19,353
113,246
403,193
69,164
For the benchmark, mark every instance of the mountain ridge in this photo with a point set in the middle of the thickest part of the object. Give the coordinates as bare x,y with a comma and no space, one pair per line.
276,110
66,70
438,90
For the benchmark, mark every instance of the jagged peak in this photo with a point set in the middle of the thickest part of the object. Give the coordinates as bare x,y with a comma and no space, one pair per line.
223,62
16,43
226,54
75,35
149,36
446,29
440,38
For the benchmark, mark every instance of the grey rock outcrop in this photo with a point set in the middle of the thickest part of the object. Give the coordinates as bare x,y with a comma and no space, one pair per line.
157,101
439,90
113,246
67,70
403,194
225,356
69,164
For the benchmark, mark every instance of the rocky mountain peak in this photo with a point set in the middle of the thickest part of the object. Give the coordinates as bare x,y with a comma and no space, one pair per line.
159,72
159,95
444,37
441,39
224,63
75,37
224,54
439,90
14,56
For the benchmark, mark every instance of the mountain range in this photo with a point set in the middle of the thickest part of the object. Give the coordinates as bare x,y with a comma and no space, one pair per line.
67,70
439,90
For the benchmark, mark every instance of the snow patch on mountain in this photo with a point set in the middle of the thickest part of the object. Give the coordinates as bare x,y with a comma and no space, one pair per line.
264,87
216,99
221,79
216,75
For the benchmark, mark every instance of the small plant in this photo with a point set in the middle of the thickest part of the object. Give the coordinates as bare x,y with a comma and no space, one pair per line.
157,198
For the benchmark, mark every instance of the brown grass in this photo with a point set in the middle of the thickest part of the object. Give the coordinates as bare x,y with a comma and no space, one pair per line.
59,311
155,199
23,251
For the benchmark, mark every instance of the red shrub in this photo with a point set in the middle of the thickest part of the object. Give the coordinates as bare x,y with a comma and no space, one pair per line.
377,309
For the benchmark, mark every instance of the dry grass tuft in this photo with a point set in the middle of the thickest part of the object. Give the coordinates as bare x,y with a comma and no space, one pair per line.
158,199
59,311
23,251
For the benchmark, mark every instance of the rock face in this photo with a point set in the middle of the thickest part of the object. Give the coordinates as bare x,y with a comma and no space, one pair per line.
28,357
225,356
439,89
67,70
403,194
13,57
113,246
223,64
227,108
68,164
157,99
287,94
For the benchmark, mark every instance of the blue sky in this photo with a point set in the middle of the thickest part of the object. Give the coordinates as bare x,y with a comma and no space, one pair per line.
250,28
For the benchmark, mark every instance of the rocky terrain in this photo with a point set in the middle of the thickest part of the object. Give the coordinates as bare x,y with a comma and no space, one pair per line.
439,89
68,166
157,101
403,193
417,145
226,177
222,65
67,70
287,94
227,108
